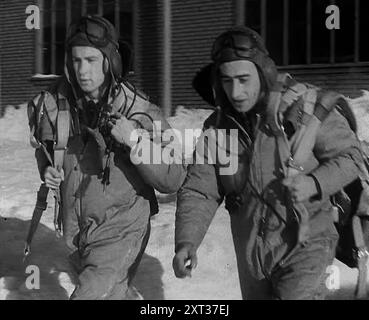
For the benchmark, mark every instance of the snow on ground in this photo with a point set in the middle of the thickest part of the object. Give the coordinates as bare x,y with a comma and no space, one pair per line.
215,277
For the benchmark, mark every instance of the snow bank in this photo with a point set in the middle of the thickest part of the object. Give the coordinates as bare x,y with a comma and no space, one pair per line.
14,125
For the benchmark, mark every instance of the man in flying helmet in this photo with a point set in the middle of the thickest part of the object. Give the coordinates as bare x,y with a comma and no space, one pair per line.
106,199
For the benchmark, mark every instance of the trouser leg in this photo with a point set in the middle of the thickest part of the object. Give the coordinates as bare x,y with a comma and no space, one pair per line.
123,289
303,275
253,284
255,289
106,260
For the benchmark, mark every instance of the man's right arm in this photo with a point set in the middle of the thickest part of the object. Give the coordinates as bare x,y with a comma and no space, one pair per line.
197,202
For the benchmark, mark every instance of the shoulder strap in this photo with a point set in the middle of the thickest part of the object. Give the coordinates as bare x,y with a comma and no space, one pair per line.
305,139
62,131
60,144
362,289
284,93
34,110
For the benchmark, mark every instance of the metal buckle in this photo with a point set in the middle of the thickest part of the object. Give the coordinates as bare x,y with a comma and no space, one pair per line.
362,253
292,164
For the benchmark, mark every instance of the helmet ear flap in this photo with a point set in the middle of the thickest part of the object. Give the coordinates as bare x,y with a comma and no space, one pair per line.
105,65
218,92
125,57
116,64
68,68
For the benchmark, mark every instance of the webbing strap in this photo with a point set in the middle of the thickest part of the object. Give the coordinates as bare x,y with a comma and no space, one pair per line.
285,92
298,210
38,114
278,103
274,102
361,291
305,143
62,125
310,97
321,112
291,95
326,104
62,132
319,109
40,207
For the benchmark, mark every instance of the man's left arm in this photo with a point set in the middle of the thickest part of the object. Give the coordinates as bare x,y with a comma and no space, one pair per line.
158,153
338,152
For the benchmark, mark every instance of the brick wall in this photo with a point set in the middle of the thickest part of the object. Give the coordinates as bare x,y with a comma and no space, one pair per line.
349,80
17,53
148,50
195,24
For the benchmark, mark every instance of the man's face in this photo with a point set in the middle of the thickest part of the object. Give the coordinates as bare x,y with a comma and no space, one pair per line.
88,67
241,83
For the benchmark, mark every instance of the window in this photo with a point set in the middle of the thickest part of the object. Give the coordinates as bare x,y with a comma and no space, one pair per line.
57,16
295,31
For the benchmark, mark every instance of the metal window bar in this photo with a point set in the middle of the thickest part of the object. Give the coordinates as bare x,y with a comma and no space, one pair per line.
263,18
240,12
308,31
100,8
357,31
53,36
39,41
117,16
68,13
83,7
245,12
286,6
332,42
167,79
135,34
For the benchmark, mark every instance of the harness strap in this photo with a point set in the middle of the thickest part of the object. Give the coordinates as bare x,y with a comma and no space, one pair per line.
273,104
60,145
38,105
62,137
360,222
284,94
41,205
303,145
362,254
295,152
310,97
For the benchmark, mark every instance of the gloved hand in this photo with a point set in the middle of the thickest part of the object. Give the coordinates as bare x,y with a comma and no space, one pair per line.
53,177
184,261
122,129
301,187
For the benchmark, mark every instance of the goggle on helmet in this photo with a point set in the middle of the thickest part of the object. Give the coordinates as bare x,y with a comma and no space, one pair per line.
242,43
98,32
96,29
